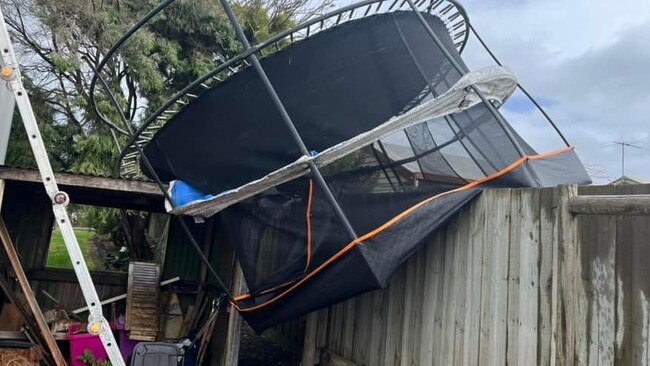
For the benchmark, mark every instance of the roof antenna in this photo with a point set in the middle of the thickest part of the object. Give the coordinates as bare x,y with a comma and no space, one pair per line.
625,144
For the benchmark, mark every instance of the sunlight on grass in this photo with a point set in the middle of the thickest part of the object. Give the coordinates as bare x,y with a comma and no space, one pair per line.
58,255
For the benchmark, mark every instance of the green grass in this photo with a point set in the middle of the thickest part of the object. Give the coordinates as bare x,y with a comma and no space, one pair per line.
58,255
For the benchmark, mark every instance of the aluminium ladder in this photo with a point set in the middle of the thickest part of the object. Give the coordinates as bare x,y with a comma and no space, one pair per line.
10,76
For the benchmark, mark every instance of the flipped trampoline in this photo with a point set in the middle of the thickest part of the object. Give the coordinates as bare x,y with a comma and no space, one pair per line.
332,151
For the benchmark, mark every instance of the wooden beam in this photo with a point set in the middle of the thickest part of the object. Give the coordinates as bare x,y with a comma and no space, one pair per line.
29,295
68,275
233,335
85,181
636,205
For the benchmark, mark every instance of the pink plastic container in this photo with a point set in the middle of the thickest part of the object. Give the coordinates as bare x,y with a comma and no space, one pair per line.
81,340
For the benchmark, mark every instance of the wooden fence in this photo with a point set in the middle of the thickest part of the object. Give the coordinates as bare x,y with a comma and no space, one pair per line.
515,278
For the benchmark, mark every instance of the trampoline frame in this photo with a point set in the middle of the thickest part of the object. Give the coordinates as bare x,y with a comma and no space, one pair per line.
133,151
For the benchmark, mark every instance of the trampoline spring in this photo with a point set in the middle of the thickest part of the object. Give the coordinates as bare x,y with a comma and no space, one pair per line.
367,10
308,30
351,13
457,26
338,19
162,118
434,5
277,46
460,34
193,96
392,5
446,9
322,24
379,4
180,102
291,37
402,4
216,78
420,2
458,45
205,86
454,16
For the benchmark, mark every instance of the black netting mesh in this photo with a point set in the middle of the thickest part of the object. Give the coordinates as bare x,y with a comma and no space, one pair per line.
336,85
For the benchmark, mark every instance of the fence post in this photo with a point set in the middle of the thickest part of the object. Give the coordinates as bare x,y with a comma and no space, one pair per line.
569,342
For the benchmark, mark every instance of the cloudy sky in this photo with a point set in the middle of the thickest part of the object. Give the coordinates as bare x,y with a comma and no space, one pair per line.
586,62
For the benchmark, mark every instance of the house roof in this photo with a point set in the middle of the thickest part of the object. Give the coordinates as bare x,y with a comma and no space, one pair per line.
628,180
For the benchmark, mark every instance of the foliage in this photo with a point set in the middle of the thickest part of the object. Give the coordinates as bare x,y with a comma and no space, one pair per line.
88,358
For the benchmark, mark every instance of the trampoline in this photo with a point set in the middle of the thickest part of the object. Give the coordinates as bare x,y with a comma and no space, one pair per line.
332,151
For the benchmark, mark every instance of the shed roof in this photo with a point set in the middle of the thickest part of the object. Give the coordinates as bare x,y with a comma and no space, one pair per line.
94,190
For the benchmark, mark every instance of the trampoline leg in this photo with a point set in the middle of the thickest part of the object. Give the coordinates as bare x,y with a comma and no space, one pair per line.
287,120
463,71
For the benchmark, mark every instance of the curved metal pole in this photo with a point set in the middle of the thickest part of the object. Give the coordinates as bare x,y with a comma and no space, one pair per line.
530,97
462,71
287,120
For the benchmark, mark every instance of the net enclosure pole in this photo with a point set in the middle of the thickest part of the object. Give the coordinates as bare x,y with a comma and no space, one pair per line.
287,120
521,87
10,76
462,71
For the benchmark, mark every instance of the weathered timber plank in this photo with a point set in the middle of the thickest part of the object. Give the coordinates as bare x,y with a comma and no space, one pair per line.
545,277
449,296
377,328
394,319
528,276
322,329
474,294
348,328
362,328
598,244
514,258
495,278
611,205
639,236
309,346
408,317
432,280
625,316
460,284
76,180
574,308
418,305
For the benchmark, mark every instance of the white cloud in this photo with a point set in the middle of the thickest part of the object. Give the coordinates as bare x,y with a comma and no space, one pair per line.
592,59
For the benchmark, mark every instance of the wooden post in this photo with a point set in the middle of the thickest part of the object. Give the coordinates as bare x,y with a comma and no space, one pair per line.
309,347
234,322
569,335
29,294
